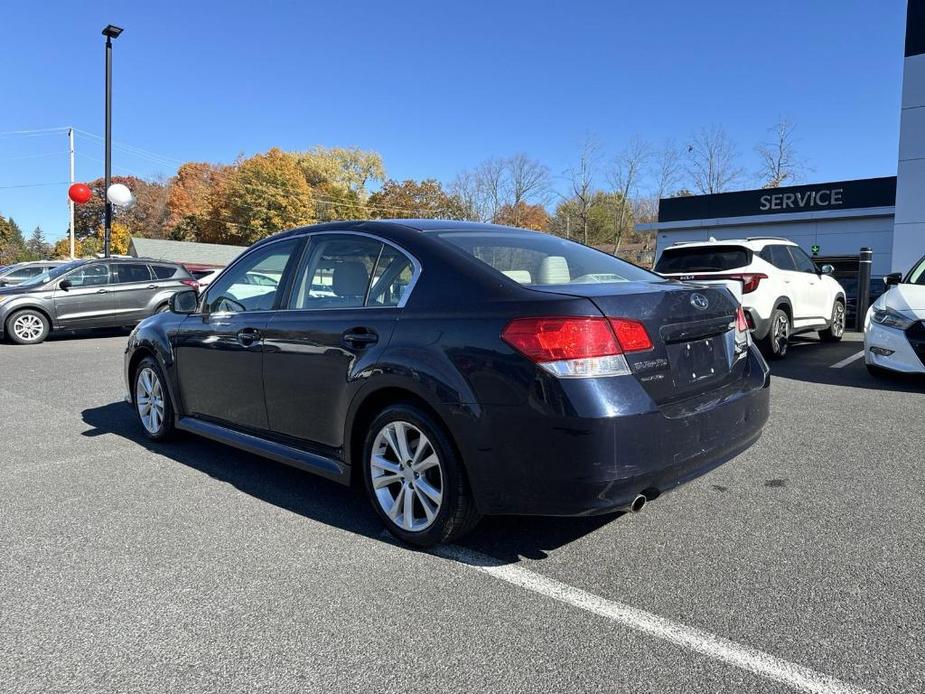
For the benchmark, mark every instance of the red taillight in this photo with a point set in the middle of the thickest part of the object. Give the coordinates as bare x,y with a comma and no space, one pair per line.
750,280
741,323
551,339
557,339
631,335
191,283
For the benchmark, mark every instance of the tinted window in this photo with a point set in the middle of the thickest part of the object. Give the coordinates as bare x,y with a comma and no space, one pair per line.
781,258
917,274
541,259
90,275
803,261
684,259
336,272
165,272
130,272
235,292
24,273
391,278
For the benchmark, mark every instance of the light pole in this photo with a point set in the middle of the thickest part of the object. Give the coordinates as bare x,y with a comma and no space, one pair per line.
110,32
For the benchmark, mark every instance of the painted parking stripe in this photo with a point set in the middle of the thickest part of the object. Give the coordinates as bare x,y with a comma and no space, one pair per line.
757,662
850,360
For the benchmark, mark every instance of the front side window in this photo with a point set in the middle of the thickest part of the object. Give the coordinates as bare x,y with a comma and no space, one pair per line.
236,291
540,259
917,274
803,261
123,273
90,276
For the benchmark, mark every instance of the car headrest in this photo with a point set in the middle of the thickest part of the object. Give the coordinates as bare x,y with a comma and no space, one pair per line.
520,276
350,279
554,270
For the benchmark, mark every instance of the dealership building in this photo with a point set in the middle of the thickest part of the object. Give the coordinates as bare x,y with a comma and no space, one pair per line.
834,220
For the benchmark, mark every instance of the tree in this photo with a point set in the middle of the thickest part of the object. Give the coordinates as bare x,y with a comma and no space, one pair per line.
502,182
338,178
194,198
597,218
264,194
411,198
148,217
713,161
36,246
119,240
12,244
624,177
581,179
780,163
523,215
62,249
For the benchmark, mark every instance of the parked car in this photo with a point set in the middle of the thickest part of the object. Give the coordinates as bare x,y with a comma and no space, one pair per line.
205,277
783,292
894,330
456,369
89,294
20,272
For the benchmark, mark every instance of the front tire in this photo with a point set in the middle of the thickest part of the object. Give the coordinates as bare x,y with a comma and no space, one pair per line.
152,400
776,343
28,327
836,328
414,478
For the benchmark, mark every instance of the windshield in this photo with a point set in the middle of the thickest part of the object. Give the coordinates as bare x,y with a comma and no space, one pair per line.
52,273
702,259
917,274
540,259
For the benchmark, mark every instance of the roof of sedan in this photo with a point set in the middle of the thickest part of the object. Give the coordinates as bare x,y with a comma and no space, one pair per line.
450,225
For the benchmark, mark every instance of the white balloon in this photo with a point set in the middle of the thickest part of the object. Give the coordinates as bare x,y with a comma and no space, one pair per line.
120,196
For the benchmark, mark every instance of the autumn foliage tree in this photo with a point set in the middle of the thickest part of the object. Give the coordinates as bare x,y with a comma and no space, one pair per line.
523,215
415,199
147,217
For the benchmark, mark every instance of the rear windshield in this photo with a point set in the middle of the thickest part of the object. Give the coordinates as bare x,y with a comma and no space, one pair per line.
541,259
703,259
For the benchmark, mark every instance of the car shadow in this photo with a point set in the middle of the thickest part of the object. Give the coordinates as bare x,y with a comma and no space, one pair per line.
506,539
86,334
811,360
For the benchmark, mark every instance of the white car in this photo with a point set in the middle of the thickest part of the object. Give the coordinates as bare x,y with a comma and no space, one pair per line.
894,329
783,292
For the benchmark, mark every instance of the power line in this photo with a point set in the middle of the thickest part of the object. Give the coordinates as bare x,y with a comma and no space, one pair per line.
39,131
35,185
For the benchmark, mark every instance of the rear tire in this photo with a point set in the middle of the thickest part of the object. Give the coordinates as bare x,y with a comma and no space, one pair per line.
152,400
836,328
414,478
27,327
778,338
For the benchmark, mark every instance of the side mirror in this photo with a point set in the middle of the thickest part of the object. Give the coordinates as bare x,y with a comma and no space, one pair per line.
893,278
827,269
185,302
64,285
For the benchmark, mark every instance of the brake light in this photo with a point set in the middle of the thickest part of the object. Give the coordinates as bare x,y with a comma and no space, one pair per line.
190,283
741,322
577,347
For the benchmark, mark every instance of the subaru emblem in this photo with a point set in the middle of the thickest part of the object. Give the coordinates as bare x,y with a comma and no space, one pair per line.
699,301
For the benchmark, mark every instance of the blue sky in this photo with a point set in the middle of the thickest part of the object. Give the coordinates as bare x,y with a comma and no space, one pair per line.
439,86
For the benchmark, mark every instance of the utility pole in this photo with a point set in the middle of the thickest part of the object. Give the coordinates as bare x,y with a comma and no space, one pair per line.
110,32
70,203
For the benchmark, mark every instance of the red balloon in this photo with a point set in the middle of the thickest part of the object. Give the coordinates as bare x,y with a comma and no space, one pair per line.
80,193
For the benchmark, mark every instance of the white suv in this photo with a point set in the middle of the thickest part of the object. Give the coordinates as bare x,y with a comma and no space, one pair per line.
783,292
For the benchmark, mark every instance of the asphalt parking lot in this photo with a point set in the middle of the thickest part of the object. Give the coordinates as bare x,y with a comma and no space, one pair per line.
191,567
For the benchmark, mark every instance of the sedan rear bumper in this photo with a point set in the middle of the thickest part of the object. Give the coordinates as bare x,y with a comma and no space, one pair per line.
571,466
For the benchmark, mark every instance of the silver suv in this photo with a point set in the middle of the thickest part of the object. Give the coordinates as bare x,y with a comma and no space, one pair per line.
89,294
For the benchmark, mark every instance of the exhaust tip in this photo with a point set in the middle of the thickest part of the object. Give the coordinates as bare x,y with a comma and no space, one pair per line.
638,503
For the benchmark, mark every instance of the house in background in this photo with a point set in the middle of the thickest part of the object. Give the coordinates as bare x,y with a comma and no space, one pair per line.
195,256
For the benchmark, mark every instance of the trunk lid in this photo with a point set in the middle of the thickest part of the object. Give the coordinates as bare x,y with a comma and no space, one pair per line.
692,328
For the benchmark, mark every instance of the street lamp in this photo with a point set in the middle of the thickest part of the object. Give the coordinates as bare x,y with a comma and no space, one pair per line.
110,32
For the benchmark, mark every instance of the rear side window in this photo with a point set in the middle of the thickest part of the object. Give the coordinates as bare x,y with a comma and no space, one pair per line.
125,273
684,259
166,272
544,260
779,257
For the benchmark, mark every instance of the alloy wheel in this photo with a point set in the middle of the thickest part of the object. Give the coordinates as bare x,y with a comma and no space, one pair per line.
149,399
28,327
838,320
781,333
407,476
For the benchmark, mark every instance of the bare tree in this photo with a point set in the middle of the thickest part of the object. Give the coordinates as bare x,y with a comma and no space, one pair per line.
624,175
581,179
713,161
667,170
780,162
528,181
466,188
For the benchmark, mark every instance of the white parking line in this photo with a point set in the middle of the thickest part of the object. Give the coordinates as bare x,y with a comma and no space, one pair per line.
757,662
850,360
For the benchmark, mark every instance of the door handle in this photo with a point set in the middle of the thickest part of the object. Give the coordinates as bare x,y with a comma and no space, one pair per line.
152,286
248,336
102,291
359,338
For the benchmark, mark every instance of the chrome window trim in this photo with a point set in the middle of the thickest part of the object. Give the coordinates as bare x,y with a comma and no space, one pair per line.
415,264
